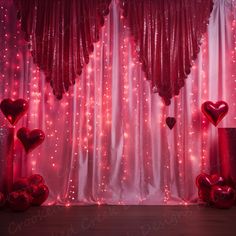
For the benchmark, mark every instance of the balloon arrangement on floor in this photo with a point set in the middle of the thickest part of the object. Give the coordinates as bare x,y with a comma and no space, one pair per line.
30,191
26,192
216,191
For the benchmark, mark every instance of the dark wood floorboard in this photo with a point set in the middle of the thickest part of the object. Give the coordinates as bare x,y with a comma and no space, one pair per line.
119,221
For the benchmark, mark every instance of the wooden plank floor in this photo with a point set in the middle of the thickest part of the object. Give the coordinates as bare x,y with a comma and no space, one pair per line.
119,221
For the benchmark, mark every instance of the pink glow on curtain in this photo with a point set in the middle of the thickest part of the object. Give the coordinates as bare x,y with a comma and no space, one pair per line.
106,140
168,36
61,36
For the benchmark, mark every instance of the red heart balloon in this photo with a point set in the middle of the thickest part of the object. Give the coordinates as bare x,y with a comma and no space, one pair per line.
205,195
14,110
217,180
222,196
36,179
39,194
30,139
170,121
19,200
203,181
21,184
215,112
2,200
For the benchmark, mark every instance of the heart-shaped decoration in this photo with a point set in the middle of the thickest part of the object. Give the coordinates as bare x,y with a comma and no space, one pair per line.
216,179
30,139
36,179
215,112
14,110
19,200
222,196
205,195
39,194
203,181
170,121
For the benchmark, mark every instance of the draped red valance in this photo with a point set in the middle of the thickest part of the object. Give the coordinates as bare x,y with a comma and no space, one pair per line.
61,36
168,36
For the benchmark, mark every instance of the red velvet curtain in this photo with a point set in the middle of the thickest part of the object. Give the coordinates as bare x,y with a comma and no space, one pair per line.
61,36
168,36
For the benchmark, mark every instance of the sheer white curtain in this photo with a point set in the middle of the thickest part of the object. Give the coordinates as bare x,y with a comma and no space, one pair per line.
106,140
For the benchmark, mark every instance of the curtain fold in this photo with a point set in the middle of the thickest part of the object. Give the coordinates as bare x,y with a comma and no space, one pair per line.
61,35
168,37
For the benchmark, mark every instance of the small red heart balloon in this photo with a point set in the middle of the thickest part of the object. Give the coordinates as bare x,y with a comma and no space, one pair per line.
217,180
30,139
215,112
36,179
20,184
222,196
14,110
19,200
170,121
2,200
203,181
39,194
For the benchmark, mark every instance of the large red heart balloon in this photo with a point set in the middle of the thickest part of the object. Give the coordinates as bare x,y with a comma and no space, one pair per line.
30,139
215,112
170,121
222,196
39,194
19,200
14,110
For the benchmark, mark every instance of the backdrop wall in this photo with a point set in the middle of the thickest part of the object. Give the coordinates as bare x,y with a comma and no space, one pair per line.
106,140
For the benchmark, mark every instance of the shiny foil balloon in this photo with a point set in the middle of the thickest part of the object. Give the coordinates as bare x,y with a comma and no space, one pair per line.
39,194
215,112
14,110
35,179
205,195
30,139
19,200
222,196
203,181
216,179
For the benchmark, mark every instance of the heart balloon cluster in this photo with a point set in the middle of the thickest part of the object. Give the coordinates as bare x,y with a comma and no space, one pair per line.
216,191
26,192
14,111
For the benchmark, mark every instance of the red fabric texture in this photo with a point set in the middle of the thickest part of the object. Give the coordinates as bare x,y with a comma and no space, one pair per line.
61,36
168,37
